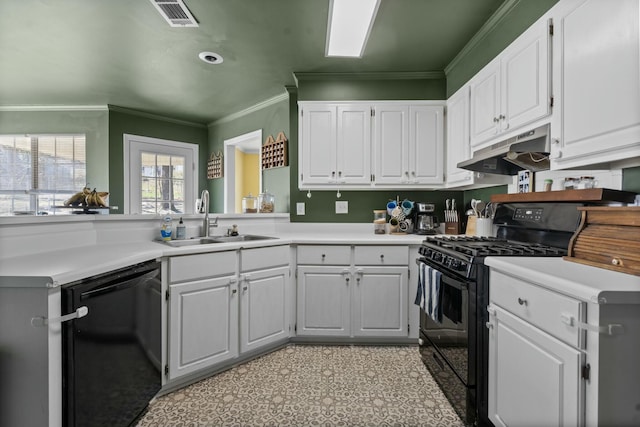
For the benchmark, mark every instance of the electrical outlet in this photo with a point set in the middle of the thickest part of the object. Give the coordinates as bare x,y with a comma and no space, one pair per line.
342,207
300,208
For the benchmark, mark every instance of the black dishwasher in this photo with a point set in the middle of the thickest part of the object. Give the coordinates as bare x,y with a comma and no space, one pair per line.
112,356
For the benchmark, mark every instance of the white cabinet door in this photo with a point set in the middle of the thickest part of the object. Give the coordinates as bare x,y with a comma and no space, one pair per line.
264,308
596,75
458,148
335,144
380,302
354,145
391,139
485,103
425,164
203,324
525,78
513,89
534,379
317,157
324,301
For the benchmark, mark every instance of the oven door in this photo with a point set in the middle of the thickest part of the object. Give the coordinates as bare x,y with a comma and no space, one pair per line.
452,337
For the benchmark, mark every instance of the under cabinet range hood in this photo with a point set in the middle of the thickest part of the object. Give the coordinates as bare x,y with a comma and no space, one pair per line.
528,150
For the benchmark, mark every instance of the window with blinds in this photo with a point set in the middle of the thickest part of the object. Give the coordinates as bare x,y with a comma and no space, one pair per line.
39,172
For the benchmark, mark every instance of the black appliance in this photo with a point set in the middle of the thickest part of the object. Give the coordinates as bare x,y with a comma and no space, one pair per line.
112,356
454,348
424,218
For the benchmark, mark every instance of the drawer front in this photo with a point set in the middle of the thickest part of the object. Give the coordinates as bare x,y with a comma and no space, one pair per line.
539,306
261,258
192,267
324,255
381,255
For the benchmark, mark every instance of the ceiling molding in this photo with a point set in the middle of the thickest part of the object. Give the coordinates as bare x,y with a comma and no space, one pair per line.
257,107
488,26
139,113
34,108
402,75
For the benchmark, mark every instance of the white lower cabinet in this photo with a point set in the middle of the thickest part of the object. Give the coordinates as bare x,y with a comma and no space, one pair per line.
364,297
203,324
264,297
223,304
534,379
380,302
324,301
556,359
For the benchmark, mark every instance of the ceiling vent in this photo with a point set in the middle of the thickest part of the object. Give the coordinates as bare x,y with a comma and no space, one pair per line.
175,12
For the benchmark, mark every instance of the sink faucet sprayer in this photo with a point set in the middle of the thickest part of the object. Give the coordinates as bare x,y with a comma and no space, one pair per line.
204,206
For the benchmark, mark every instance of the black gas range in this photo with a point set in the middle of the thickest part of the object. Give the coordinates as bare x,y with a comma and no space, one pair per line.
453,337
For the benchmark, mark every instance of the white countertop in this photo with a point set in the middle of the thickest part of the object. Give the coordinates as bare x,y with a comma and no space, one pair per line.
67,265
583,282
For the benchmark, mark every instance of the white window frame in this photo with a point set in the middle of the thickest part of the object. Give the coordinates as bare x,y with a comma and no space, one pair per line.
134,145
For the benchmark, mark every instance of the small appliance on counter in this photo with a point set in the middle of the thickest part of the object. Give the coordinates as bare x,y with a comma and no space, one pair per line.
425,220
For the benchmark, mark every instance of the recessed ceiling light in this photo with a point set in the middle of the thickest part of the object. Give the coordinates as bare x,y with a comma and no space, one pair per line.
350,22
211,57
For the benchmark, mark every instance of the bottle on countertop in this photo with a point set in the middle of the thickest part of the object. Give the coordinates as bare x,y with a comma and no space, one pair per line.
166,228
181,230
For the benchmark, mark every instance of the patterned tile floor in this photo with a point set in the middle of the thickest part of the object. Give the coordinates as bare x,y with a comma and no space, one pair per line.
309,385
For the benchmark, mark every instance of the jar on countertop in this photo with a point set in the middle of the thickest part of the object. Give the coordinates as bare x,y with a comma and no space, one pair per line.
379,221
266,202
249,204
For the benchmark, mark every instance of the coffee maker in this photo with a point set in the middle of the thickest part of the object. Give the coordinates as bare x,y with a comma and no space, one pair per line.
425,220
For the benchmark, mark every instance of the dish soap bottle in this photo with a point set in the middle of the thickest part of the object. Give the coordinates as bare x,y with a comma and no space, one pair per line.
181,230
166,228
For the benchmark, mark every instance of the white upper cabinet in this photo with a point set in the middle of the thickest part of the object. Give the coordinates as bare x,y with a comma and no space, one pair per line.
334,144
361,145
458,148
513,89
596,76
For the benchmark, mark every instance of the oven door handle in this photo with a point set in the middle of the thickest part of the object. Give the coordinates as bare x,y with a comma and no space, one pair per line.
454,282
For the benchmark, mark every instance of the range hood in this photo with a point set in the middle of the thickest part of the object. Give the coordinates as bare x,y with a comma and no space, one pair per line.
528,150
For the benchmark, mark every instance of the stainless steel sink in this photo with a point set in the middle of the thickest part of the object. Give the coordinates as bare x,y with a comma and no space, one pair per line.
191,242
216,239
241,238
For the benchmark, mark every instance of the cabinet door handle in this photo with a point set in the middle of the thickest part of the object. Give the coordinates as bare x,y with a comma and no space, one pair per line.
244,288
522,302
233,291
382,258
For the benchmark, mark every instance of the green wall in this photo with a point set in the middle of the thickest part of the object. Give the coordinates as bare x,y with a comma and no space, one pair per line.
507,29
94,124
123,121
631,180
353,89
272,119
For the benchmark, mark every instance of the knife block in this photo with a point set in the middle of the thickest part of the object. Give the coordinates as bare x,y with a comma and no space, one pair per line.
451,228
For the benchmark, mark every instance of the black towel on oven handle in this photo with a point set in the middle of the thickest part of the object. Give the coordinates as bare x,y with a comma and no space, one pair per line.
451,303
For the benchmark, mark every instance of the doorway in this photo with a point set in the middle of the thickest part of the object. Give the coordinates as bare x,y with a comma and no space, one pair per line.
243,175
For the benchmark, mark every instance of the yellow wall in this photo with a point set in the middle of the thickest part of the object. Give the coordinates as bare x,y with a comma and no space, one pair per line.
247,180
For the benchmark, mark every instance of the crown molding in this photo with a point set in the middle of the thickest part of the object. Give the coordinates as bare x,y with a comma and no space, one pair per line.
154,116
257,107
498,16
400,75
35,108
